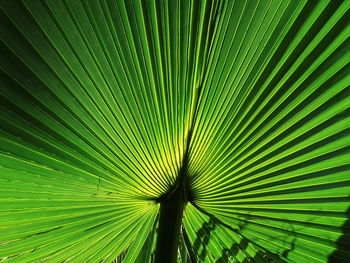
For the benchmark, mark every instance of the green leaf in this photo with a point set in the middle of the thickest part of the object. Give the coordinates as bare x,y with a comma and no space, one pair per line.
108,108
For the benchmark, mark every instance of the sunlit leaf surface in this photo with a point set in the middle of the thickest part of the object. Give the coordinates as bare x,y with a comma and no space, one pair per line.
100,100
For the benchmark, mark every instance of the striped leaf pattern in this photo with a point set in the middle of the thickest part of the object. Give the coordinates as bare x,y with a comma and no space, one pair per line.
100,102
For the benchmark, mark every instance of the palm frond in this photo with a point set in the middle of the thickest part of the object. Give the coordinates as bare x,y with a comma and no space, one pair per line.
103,102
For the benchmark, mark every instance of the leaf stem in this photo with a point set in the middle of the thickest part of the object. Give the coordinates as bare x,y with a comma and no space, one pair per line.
170,220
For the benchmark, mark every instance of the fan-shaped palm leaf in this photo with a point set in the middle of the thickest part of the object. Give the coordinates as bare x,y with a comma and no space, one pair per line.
118,115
